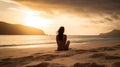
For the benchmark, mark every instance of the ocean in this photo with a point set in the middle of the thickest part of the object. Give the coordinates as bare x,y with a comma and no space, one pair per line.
18,40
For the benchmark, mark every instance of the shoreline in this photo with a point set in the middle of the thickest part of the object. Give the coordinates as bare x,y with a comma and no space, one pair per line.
54,43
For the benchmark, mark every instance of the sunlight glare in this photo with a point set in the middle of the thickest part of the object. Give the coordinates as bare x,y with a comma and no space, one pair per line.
34,20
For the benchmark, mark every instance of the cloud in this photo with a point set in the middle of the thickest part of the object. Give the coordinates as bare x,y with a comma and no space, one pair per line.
75,5
85,14
106,10
9,3
11,11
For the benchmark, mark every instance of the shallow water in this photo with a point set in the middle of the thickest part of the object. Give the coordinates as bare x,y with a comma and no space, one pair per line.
13,40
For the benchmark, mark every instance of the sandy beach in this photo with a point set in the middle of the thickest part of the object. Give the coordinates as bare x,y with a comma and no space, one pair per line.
59,33
91,54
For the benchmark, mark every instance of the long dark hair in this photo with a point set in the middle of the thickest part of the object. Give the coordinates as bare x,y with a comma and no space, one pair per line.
60,32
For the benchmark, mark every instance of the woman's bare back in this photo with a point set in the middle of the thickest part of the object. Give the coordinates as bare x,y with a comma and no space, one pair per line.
62,44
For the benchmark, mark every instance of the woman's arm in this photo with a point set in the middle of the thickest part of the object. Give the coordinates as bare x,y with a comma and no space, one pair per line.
57,39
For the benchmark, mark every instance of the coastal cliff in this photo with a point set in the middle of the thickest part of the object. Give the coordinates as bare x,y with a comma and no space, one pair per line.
17,29
113,33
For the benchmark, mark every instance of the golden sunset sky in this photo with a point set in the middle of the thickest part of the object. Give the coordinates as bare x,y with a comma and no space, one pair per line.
79,17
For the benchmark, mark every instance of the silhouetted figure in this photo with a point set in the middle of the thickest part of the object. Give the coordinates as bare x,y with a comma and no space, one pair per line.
61,38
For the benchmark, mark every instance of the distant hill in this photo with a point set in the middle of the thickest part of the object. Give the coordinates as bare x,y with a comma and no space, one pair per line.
113,33
17,29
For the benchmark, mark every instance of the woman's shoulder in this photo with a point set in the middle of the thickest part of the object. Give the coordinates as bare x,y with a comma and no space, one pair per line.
65,35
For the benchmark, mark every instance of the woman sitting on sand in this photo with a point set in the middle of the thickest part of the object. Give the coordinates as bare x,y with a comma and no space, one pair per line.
61,39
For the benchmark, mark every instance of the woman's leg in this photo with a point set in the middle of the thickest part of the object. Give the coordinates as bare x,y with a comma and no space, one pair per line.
67,45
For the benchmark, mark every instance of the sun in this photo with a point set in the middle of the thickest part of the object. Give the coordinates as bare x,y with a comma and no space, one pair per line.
36,21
